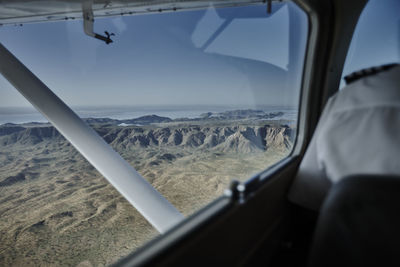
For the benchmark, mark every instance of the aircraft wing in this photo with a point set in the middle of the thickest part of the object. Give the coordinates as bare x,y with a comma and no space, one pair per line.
29,11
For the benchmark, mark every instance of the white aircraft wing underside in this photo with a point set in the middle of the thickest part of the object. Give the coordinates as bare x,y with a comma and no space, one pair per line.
29,11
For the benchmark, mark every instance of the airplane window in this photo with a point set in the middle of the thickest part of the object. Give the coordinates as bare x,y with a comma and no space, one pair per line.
191,99
376,39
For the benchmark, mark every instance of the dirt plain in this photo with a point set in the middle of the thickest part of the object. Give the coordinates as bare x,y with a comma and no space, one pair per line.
57,210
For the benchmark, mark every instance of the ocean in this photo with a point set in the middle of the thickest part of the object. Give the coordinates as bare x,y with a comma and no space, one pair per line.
19,115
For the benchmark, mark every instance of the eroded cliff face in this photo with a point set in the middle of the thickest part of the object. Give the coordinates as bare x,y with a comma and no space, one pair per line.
240,139
17,135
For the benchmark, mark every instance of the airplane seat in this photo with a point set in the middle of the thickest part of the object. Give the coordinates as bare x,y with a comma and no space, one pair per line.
359,223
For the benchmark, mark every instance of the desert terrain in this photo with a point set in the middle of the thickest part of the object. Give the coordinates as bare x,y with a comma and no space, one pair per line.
57,210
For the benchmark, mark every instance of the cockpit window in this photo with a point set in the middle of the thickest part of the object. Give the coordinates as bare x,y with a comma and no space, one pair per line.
376,39
191,99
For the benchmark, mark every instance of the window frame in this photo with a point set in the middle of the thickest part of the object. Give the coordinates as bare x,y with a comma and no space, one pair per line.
326,47
279,175
331,26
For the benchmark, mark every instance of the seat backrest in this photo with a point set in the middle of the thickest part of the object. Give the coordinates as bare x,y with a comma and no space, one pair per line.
359,223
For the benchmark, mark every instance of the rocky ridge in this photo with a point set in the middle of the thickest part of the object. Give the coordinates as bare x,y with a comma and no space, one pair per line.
240,138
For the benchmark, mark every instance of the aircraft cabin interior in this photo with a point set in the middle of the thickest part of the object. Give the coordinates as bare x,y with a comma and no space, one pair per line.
199,133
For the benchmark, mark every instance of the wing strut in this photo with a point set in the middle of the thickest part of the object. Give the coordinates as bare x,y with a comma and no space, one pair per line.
150,203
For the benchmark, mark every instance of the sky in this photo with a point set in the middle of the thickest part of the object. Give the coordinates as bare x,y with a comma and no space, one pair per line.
163,59
376,40
172,59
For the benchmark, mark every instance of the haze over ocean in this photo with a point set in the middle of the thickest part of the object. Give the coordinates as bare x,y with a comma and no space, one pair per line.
29,114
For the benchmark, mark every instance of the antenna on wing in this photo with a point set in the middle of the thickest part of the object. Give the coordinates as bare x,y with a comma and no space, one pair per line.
88,22
269,7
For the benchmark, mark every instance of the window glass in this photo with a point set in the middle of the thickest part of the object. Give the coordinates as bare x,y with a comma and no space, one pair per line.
191,99
376,39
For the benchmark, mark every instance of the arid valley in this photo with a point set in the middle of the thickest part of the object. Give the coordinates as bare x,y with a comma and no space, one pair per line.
58,210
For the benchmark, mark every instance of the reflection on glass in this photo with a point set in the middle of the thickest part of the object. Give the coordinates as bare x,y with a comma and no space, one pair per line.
191,99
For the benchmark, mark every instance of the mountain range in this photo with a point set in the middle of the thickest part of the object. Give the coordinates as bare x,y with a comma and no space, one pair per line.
237,138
